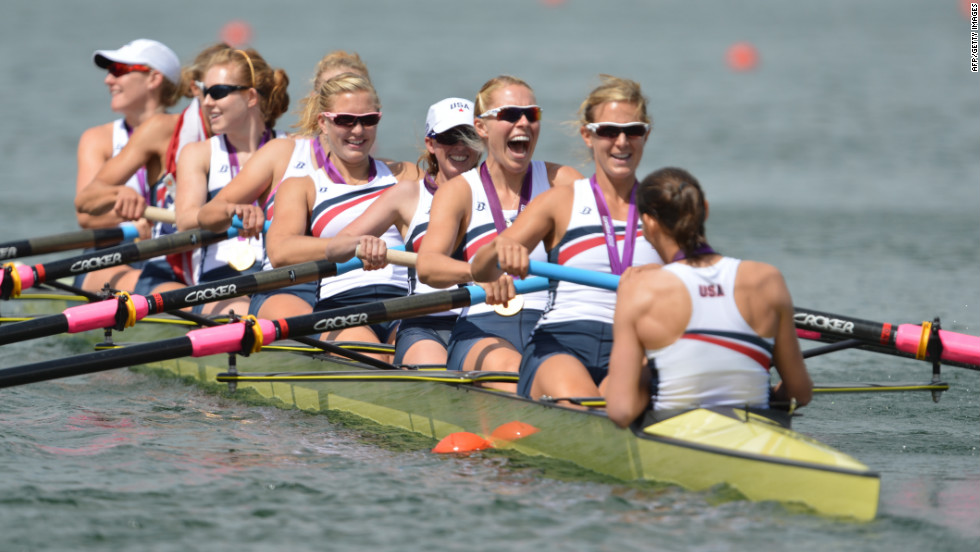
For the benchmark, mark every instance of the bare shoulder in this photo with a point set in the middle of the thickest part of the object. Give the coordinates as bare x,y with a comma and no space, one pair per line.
403,170
562,175
99,135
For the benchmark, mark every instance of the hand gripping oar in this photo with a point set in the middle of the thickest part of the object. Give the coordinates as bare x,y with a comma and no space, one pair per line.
249,335
13,279
957,349
100,237
126,309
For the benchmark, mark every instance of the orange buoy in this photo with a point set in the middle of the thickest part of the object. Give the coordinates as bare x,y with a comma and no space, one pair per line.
460,443
236,33
512,431
742,56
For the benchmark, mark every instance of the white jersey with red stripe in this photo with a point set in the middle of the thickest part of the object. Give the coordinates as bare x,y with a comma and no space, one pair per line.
335,207
720,360
584,246
413,240
482,230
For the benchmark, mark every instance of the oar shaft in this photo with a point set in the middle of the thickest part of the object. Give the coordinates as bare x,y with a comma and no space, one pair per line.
229,337
100,237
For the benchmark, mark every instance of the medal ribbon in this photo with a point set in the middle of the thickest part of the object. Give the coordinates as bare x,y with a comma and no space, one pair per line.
617,264
702,250
141,172
493,201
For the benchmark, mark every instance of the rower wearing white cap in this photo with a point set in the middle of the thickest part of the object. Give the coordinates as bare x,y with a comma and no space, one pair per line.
452,147
153,146
142,77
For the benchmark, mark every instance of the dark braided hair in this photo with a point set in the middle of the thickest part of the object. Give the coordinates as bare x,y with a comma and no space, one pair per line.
674,198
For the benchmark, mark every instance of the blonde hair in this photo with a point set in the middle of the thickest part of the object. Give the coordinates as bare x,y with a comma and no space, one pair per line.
482,102
195,71
344,83
613,89
254,71
339,59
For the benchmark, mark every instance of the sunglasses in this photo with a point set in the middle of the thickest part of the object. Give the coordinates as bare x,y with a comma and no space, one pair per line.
452,136
613,130
352,119
219,91
117,69
513,113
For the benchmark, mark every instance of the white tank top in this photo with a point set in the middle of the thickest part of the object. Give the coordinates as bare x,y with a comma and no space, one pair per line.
220,173
584,246
336,205
413,240
300,164
720,360
482,230
120,137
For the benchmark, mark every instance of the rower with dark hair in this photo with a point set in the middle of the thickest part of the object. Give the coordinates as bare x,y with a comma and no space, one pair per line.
709,327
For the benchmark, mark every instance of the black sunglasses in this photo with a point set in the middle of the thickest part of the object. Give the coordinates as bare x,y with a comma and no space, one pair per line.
513,113
613,130
219,91
351,119
451,137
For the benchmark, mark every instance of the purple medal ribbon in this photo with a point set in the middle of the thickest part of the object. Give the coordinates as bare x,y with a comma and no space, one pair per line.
141,172
702,250
324,160
233,166
430,184
617,264
493,201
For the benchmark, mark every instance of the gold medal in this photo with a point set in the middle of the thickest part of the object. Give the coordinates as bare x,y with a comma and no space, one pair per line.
510,308
241,256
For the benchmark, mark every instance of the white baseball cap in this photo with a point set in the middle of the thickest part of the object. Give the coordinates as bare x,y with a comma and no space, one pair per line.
143,51
448,113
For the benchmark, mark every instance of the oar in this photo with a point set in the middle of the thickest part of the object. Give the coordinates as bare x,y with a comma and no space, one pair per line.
100,237
248,336
13,279
126,309
159,214
957,349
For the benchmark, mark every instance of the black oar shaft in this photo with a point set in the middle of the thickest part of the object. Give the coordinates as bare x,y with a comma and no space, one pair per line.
60,242
96,362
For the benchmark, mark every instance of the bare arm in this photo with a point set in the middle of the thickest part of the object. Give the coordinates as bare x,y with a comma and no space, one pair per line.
94,149
192,183
395,207
627,385
450,216
562,175
287,241
253,183
788,359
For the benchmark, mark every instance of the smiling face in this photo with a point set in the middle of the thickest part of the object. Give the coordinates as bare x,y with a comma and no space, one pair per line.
129,92
351,144
617,157
225,113
452,159
510,145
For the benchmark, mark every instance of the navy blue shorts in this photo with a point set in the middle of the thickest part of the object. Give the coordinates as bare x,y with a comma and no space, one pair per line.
155,272
587,340
306,292
516,330
367,294
423,328
227,272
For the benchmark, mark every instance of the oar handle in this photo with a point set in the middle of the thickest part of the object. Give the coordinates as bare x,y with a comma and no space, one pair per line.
159,214
396,256
237,223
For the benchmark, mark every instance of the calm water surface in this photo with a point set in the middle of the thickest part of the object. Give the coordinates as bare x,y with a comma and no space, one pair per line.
849,159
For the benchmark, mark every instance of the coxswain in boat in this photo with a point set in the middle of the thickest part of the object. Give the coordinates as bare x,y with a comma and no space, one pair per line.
476,206
591,225
251,193
155,146
452,147
243,97
142,77
311,210
706,328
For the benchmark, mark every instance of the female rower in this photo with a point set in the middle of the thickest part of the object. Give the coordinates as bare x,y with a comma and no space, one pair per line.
592,225
451,148
708,326
155,145
142,78
476,206
258,182
243,98
312,209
